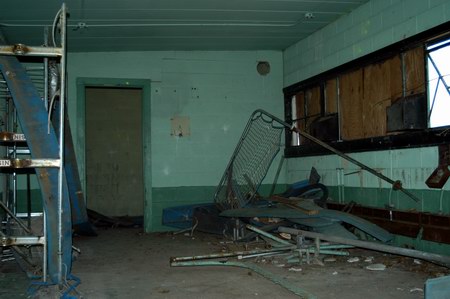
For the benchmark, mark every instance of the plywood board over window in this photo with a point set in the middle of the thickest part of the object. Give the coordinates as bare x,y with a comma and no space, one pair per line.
300,110
357,96
308,108
331,99
381,84
414,60
351,105
313,105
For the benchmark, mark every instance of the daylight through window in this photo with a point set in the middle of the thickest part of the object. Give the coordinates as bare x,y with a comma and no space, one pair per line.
438,84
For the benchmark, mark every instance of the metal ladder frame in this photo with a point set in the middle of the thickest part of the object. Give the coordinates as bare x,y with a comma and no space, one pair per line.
55,52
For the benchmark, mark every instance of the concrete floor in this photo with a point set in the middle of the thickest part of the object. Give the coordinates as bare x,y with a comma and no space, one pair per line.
125,263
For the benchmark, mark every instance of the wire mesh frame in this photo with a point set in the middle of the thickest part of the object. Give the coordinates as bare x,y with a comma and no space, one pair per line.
257,148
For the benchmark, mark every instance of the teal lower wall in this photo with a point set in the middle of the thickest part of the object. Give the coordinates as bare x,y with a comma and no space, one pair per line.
36,201
178,196
433,201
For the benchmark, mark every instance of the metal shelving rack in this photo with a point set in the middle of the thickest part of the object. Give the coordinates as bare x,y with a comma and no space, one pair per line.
54,241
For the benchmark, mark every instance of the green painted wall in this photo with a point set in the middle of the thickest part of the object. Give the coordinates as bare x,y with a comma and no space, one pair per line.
370,27
348,183
217,90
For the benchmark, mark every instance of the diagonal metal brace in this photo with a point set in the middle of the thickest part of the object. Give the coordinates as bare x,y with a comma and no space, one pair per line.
396,185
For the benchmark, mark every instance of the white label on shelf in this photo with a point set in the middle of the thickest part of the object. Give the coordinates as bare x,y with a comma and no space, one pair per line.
19,137
5,163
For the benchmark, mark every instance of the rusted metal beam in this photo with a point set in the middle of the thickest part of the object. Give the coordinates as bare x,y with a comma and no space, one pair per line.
29,163
24,50
12,137
14,241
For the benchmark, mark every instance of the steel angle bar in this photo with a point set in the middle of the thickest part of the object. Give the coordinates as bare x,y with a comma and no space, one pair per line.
29,163
14,241
443,260
264,273
24,50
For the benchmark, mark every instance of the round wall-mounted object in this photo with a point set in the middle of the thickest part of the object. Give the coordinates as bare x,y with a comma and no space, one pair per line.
263,68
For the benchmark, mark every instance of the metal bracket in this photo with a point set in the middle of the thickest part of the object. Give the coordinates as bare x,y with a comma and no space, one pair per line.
13,241
23,50
29,163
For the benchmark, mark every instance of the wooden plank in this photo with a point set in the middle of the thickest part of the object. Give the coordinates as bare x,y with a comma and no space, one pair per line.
415,71
331,97
396,81
350,105
300,104
377,96
312,105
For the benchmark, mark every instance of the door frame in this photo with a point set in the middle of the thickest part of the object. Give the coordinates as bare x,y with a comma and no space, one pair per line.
145,85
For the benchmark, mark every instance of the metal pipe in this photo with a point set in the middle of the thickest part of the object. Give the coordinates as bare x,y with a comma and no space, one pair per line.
396,185
14,174
211,24
46,70
44,258
62,16
229,254
432,257
241,257
325,251
264,273
12,215
266,234
336,246
7,193
28,201
13,241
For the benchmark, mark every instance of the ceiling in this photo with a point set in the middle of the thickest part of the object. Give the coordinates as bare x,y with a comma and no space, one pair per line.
125,25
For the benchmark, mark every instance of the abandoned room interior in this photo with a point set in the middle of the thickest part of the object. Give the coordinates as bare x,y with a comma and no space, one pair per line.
225,149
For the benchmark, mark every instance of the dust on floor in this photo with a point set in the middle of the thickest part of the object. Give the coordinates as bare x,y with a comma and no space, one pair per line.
126,263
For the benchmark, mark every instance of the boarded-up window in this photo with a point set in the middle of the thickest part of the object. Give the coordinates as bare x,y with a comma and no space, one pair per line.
360,97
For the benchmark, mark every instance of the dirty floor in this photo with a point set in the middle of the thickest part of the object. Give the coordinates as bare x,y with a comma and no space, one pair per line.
126,263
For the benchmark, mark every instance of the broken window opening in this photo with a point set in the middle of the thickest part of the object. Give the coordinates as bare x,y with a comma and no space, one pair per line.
438,77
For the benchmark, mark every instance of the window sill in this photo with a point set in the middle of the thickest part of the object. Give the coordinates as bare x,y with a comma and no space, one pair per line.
429,137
